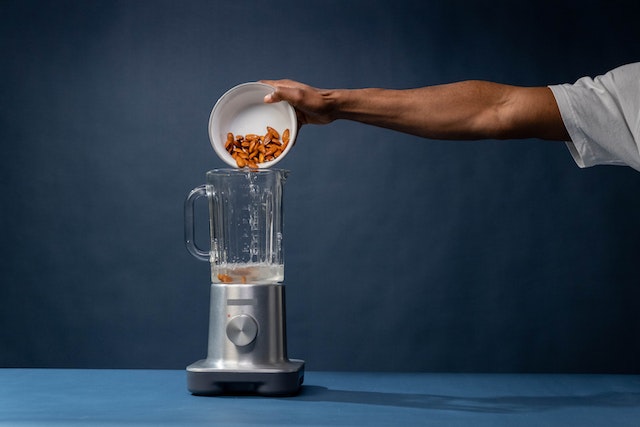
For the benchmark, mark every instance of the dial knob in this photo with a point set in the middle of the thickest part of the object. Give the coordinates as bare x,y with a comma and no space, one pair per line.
242,330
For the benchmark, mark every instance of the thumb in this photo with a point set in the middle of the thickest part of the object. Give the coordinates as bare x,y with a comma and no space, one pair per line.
283,90
272,97
280,93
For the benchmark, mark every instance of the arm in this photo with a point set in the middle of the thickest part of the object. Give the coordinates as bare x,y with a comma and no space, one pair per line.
467,110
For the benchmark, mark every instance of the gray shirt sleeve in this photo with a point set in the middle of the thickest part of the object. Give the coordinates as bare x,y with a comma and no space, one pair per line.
602,116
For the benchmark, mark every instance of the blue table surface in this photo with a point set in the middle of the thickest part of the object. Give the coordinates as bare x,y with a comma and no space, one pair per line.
63,397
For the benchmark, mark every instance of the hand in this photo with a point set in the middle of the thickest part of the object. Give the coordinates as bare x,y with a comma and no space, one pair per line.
313,106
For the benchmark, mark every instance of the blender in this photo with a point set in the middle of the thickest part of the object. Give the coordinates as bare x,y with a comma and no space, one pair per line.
247,345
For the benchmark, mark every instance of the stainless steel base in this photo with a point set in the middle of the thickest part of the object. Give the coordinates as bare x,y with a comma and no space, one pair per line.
247,351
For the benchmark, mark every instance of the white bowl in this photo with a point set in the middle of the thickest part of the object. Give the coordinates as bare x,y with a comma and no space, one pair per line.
241,111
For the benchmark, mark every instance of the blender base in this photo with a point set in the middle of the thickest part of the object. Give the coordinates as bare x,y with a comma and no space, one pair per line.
286,380
247,346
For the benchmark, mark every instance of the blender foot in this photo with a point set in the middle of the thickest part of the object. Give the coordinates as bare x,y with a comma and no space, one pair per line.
212,382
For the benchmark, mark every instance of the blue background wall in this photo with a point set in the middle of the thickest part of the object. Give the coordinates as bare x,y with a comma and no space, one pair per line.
402,253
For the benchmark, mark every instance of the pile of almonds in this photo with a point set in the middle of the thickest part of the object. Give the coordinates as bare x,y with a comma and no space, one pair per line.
251,149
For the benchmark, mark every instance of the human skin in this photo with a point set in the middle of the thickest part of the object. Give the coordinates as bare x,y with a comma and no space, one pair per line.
467,110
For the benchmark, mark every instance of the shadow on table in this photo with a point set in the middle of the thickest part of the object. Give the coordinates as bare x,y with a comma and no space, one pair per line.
497,404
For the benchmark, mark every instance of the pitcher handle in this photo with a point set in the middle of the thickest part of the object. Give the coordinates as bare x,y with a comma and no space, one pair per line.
190,226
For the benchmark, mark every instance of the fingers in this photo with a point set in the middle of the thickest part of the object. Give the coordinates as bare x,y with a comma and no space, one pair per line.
308,101
282,92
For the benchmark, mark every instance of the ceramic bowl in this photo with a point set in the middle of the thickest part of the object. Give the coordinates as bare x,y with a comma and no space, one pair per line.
241,111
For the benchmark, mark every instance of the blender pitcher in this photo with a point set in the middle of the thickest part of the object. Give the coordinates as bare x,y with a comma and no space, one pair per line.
245,222
247,349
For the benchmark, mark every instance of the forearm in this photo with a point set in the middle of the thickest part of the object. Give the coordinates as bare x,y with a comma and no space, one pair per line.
464,110
467,110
